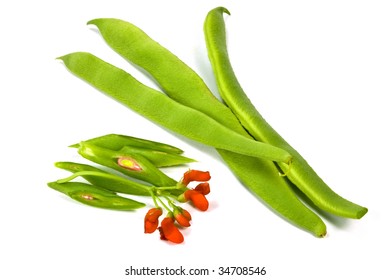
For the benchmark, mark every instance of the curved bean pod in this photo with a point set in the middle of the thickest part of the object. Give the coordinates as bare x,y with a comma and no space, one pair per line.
159,108
258,175
300,173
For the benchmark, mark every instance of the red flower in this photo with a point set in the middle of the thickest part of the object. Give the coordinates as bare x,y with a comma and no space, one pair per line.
182,216
168,231
151,220
195,175
199,200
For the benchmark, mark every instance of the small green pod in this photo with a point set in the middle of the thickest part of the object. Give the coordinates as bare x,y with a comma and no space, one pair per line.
132,165
158,158
299,172
94,196
106,180
160,154
68,188
159,108
118,141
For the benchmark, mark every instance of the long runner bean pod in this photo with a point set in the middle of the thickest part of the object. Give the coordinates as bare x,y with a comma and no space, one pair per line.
258,175
137,47
160,109
300,172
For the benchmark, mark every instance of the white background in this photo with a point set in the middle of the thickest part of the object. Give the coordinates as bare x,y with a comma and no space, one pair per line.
318,71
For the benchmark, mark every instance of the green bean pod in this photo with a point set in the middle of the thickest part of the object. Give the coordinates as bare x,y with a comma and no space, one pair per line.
159,108
139,168
95,196
103,179
182,84
117,142
300,173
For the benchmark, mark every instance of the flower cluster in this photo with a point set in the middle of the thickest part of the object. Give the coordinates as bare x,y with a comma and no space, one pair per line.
177,216
139,162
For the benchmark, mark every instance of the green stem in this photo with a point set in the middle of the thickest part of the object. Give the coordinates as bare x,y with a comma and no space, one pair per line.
176,187
154,200
162,203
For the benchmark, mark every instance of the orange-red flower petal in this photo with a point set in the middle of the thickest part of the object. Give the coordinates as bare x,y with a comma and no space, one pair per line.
199,200
203,188
182,216
168,231
151,220
195,175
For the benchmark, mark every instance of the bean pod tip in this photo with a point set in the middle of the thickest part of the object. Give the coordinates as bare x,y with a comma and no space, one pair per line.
92,22
223,10
362,212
